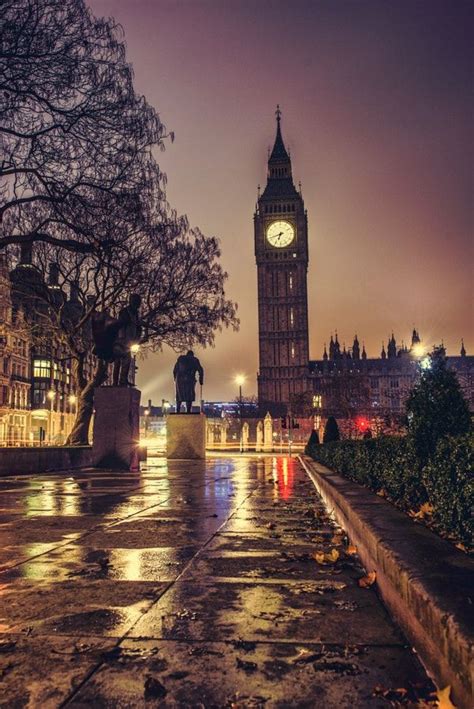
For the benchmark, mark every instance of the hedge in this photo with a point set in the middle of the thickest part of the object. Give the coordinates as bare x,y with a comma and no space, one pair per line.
390,464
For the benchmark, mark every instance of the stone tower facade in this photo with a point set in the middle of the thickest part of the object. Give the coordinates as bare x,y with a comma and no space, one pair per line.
281,251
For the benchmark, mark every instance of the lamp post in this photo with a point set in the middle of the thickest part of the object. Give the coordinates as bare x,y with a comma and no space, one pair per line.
51,394
146,413
72,398
239,380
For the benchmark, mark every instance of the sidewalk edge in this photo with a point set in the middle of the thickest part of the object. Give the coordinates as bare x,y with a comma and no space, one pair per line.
429,620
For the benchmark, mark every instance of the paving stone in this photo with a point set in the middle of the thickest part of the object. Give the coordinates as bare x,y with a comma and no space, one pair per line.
189,584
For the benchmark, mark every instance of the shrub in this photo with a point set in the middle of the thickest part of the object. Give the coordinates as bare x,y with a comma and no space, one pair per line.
331,430
313,443
449,480
391,464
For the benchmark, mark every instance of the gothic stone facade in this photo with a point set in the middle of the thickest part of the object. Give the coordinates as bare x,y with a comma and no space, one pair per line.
281,251
342,383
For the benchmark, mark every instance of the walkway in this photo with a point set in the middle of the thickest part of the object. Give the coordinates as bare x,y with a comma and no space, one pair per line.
188,585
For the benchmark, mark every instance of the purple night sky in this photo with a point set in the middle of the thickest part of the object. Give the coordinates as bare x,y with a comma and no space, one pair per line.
377,112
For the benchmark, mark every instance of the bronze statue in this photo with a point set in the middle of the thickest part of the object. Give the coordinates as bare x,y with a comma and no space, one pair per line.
184,374
114,337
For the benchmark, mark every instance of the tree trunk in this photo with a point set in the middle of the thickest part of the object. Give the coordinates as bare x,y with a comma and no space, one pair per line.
79,435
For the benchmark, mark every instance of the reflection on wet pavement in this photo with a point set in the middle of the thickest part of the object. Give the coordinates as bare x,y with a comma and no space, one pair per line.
188,584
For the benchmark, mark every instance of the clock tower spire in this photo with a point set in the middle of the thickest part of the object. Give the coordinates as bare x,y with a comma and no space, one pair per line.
281,251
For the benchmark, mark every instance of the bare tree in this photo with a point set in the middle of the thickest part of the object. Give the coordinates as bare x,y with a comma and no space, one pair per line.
345,394
75,137
173,268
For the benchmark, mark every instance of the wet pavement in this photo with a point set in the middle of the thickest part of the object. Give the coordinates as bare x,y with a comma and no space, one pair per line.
189,584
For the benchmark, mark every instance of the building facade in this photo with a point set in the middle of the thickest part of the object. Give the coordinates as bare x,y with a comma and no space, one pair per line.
349,385
38,394
15,367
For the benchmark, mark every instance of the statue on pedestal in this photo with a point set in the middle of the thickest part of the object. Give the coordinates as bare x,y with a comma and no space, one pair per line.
114,338
184,373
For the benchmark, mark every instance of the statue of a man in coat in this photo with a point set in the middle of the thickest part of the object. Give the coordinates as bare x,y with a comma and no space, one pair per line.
184,373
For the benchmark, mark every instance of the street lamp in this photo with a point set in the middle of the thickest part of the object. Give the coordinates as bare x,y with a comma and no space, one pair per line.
72,399
419,349
135,348
51,394
239,380
147,413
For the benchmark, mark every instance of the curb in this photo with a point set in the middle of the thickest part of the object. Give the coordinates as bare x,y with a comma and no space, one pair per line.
425,582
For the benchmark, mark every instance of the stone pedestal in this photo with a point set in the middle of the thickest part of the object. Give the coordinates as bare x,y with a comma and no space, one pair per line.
186,436
116,428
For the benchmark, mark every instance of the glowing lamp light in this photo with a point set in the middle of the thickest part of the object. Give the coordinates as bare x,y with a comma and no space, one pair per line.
51,394
72,399
135,348
166,405
363,424
147,412
425,363
239,380
419,349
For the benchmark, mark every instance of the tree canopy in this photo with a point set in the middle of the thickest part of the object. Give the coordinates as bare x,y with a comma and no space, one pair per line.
436,408
80,184
76,168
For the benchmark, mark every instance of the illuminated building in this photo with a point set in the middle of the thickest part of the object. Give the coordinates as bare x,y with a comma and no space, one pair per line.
347,383
344,382
15,366
51,400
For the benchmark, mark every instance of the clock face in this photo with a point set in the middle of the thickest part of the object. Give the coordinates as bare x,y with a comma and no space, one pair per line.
280,234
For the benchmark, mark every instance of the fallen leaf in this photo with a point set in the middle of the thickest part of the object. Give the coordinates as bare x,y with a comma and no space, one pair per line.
381,493
178,675
305,656
426,510
330,558
246,666
392,695
461,547
154,689
444,702
351,549
368,580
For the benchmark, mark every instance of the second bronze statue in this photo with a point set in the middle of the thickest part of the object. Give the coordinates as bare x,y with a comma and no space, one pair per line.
184,373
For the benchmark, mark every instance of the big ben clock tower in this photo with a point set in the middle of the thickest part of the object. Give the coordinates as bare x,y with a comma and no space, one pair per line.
281,251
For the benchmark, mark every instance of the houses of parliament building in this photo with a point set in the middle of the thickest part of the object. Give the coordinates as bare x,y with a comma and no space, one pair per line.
344,381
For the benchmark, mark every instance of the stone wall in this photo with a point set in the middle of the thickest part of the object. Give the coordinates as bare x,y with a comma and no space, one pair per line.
40,460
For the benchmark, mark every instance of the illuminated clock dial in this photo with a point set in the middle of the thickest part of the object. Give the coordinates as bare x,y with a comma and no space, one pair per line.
280,234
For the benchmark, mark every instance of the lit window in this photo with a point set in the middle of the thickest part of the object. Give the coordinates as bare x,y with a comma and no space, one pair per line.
291,317
317,401
41,368
290,282
292,351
